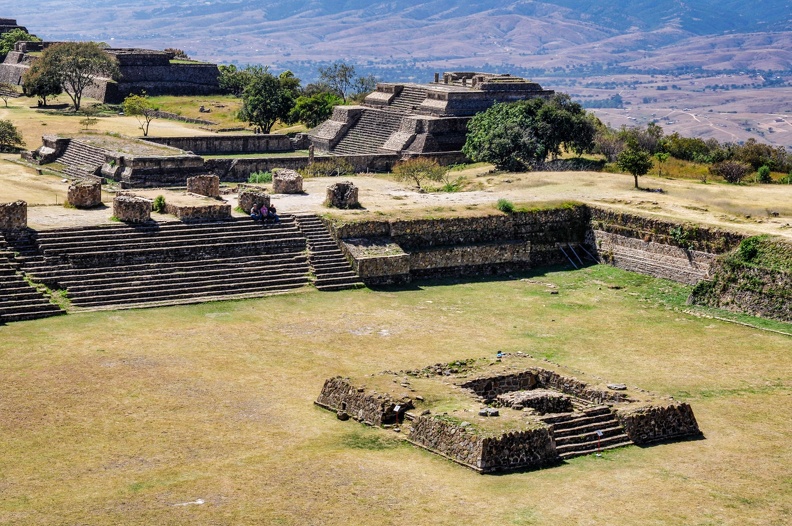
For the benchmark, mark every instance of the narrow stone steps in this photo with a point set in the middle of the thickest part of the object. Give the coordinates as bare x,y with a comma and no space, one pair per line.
331,269
369,133
576,434
595,449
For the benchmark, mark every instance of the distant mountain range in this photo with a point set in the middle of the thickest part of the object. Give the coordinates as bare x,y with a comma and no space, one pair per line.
440,34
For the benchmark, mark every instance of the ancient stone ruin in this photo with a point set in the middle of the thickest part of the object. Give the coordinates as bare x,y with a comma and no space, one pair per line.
132,209
85,194
206,185
286,181
342,195
510,413
405,118
13,216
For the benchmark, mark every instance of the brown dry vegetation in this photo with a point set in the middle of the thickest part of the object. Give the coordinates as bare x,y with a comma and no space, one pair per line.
128,417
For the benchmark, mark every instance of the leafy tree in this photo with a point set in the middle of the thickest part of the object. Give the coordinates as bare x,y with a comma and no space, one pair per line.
7,90
362,86
509,135
608,143
314,110
648,139
340,76
233,80
763,175
142,108
77,65
267,98
8,39
42,82
661,157
636,161
9,135
567,125
419,169
731,171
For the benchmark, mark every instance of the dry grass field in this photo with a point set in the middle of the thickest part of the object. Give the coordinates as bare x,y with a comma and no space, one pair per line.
203,414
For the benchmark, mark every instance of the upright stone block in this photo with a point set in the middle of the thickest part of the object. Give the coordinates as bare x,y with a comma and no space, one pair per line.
208,185
13,216
342,195
286,182
85,194
132,209
249,197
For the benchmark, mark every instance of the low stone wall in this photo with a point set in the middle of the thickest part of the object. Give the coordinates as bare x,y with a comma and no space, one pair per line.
541,400
199,213
13,216
474,258
208,185
360,404
238,170
377,261
249,197
84,194
525,449
228,144
152,171
131,209
575,387
652,424
286,182
490,387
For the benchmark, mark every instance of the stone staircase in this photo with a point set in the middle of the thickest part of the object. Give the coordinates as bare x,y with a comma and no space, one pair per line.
82,161
331,268
18,299
576,433
369,133
406,101
125,266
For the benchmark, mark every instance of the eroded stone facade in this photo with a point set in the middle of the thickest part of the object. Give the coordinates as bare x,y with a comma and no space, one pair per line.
85,194
206,185
286,181
13,216
132,209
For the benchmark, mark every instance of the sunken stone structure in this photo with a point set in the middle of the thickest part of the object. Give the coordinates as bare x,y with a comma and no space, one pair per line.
545,415
13,216
342,195
85,194
286,181
206,185
131,209
419,119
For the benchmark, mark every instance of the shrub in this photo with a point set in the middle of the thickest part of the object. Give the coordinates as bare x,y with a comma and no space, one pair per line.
419,169
505,206
731,171
763,175
159,204
787,179
749,248
260,177
329,168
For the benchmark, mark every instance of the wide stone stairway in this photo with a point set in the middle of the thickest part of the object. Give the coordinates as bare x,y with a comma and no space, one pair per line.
124,266
82,161
370,132
18,299
576,433
331,269
409,98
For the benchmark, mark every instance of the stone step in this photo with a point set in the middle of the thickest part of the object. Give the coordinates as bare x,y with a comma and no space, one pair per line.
581,421
613,429
339,286
590,451
590,426
566,449
30,314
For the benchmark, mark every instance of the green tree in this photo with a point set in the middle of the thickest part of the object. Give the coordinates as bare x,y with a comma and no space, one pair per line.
9,135
8,39
77,65
636,161
418,170
141,107
340,76
314,110
763,175
509,135
567,126
267,98
233,80
661,157
7,90
42,82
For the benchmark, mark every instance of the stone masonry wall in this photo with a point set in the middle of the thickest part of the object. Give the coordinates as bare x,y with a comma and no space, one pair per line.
131,209
228,144
249,197
85,194
208,185
238,170
362,405
199,213
449,439
651,424
13,216
527,449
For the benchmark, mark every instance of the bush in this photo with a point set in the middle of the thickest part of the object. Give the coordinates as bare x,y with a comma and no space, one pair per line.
505,206
787,179
419,169
749,248
763,175
159,204
260,177
731,171
10,137
329,168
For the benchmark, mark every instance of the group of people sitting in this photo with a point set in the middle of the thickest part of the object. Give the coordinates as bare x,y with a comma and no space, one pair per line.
265,214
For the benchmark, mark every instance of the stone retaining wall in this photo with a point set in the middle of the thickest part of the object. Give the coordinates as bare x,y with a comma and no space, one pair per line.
652,424
228,144
13,216
377,261
152,171
132,209
360,404
199,213
238,170
448,439
85,194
